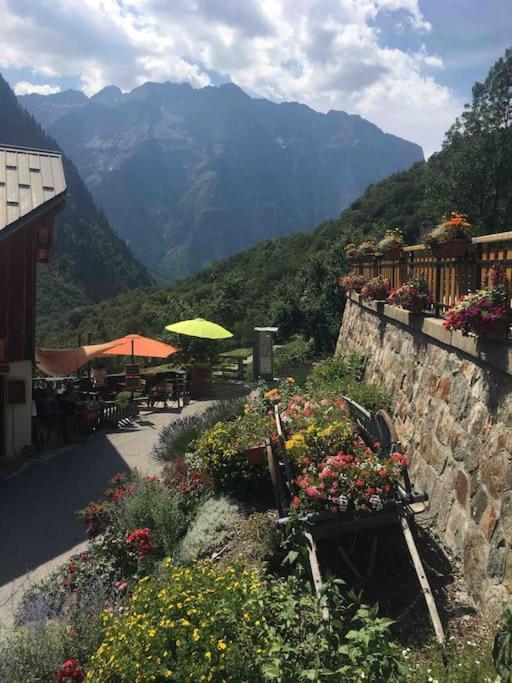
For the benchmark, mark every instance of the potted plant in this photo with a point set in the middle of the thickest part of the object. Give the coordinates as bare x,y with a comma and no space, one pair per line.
450,238
367,250
352,253
486,312
391,244
413,296
377,289
352,283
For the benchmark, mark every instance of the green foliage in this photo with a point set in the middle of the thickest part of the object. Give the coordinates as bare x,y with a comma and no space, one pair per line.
295,352
221,451
37,652
342,376
502,648
260,538
237,624
216,522
468,662
175,439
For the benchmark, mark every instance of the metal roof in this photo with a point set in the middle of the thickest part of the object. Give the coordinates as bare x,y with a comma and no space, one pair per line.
31,182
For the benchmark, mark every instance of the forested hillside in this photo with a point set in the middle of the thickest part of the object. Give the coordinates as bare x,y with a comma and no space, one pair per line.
89,261
291,281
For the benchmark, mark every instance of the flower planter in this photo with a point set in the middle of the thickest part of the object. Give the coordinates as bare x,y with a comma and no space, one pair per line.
455,249
497,332
367,257
393,254
256,454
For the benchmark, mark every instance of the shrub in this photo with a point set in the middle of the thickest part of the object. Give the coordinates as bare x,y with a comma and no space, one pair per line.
367,248
259,538
296,352
206,622
414,296
377,288
175,439
342,376
215,523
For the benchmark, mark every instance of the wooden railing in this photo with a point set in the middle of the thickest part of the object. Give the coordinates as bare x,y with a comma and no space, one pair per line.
448,278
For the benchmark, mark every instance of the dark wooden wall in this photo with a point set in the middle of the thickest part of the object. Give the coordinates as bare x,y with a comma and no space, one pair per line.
18,254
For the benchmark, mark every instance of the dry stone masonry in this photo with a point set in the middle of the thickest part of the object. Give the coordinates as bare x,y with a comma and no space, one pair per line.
454,415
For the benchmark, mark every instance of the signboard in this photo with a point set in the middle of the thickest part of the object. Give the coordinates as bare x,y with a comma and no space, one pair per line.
133,377
132,383
266,355
16,391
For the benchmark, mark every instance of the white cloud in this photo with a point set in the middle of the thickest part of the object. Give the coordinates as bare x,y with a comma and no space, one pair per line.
24,88
325,53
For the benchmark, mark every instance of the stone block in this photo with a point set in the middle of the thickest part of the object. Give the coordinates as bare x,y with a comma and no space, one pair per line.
478,505
476,551
461,486
456,529
398,314
493,471
488,521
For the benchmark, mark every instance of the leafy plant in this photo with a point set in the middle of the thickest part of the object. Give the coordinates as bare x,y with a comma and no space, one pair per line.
368,248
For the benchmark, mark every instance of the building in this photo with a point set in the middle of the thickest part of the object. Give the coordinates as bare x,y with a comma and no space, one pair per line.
32,192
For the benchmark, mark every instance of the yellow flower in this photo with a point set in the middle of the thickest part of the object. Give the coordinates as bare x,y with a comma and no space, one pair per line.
208,655
221,645
151,633
195,635
167,673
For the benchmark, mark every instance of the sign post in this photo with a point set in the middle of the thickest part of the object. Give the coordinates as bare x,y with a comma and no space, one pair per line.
263,361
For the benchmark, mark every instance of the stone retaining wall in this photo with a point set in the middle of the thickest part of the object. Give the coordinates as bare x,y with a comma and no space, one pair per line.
453,413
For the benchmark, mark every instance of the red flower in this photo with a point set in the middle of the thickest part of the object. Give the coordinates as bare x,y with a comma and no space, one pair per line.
72,568
70,670
383,473
73,633
140,541
295,502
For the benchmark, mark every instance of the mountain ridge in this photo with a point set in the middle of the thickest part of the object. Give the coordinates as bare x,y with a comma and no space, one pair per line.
208,172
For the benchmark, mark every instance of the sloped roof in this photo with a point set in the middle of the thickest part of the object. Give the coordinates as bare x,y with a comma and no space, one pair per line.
31,182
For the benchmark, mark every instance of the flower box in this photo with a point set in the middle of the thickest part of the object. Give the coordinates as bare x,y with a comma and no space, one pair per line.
367,257
393,254
498,331
454,249
256,454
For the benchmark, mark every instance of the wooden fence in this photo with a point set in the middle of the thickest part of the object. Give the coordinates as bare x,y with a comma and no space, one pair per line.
448,278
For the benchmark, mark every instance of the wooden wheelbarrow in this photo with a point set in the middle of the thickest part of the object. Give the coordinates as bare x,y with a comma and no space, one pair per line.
406,503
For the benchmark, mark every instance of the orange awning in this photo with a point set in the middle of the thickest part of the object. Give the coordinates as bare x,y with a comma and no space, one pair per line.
61,362
135,345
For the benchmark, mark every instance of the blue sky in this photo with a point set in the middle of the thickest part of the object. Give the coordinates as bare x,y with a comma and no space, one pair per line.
406,65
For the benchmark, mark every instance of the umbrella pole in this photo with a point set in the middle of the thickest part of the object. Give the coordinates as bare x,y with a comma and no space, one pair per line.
131,399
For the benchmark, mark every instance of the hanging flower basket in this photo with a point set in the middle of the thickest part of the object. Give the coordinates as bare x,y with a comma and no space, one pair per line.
256,454
454,249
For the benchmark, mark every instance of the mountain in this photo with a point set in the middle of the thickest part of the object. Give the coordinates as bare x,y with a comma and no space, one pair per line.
189,176
89,262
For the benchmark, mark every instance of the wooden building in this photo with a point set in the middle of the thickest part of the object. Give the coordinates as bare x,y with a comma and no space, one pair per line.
32,191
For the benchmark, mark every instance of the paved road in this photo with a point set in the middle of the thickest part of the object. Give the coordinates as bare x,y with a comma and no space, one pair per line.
38,527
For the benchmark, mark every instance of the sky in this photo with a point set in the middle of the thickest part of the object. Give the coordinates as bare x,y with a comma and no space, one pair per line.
406,65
